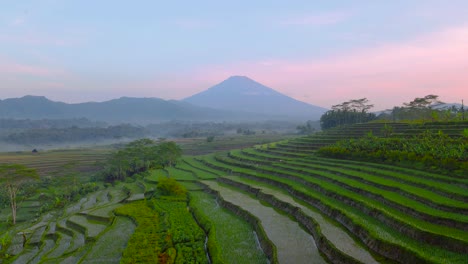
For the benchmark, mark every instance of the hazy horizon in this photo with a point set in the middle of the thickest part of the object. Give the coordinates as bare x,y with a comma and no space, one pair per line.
319,53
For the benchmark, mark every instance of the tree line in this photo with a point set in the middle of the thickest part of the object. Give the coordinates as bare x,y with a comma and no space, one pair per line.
347,113
140,156
74,134
12,124
425,108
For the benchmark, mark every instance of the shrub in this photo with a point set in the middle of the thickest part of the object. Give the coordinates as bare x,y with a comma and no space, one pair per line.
5,241
427,149
88,188
169,186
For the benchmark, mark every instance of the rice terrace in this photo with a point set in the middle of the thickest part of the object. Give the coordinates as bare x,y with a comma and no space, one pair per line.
233,132
334,196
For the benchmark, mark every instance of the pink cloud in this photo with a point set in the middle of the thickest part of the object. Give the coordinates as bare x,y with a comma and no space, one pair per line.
25,69
9,68
388,75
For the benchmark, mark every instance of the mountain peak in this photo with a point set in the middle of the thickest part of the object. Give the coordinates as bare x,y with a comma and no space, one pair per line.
34,97
29,99
241,80
238,77
242,93
240,85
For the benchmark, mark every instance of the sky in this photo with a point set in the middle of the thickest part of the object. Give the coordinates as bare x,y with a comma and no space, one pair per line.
319,52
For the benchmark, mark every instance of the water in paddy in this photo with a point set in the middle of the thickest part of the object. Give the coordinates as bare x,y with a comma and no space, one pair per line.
293,244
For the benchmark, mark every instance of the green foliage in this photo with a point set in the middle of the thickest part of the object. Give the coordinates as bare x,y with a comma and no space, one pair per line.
166,233
5,241
422,109
169,186
54,195
140,156
387,130
144,245
210,138
169,153
181,230
430,149
465,133
350,112
13,179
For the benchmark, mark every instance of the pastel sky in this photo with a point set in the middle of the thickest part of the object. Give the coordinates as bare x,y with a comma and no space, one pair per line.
320,52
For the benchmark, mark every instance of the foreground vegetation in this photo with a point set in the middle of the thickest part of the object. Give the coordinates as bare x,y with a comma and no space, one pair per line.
433,150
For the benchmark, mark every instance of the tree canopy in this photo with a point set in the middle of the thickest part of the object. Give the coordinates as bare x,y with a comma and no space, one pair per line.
425,108
349,112
423,103
139,156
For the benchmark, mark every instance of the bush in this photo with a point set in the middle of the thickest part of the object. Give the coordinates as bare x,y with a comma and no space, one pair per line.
5,242
169,186
428,150
465,133
88,188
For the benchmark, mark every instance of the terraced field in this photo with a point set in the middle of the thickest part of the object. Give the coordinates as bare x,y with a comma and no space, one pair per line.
69,236
355,211
271,203
55,161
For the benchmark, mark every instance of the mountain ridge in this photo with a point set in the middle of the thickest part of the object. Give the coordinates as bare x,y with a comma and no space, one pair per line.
124,109
247,100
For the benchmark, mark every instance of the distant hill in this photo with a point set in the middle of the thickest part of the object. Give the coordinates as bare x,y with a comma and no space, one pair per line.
34,107
437,106
445,106
133,110
239,93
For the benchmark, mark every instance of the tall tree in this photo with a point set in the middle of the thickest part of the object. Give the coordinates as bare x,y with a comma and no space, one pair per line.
13,178
350,112
420,108
424,102
169,152
463,111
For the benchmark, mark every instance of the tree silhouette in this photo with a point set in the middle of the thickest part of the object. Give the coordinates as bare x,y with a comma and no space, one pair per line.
349,112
